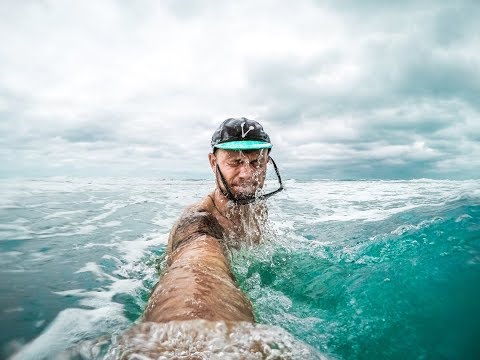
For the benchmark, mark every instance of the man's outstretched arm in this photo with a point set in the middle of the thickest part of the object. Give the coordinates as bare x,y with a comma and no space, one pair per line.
197,283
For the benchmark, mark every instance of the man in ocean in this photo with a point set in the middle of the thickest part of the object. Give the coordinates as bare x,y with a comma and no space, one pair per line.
196,310
197,282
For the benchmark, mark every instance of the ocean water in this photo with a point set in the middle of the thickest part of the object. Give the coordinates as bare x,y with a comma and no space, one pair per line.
351,269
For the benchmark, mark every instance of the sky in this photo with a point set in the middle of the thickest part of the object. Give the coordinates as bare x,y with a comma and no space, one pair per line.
345,89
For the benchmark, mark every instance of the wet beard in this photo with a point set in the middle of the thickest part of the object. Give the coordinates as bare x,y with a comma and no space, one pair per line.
239,198
246,199
245,191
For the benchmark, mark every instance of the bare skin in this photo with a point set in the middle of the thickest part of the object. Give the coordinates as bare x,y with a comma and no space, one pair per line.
244,173
198,282
196,310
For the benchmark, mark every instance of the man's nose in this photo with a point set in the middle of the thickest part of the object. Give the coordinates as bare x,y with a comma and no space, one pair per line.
246,170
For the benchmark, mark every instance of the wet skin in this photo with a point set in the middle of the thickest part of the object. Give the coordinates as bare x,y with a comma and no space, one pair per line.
197,282
244,171
196,309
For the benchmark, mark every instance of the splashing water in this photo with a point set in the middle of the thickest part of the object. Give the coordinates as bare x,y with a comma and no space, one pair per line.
210,340
364,269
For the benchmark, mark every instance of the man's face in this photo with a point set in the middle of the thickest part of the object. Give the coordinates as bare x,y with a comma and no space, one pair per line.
244,171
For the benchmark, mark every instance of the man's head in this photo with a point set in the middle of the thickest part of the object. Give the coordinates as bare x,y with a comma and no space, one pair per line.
239,158
243,171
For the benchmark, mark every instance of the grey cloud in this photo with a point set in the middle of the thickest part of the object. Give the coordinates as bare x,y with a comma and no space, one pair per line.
289,89
185,9
474,136
447,147
393,9
406,74
424,125
456,23
440,78
12,101
375,169
403,127
84,133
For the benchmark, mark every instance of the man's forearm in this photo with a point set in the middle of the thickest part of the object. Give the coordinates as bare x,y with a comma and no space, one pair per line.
198,284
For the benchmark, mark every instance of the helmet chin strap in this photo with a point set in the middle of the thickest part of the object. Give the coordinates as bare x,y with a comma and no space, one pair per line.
229,194
247,199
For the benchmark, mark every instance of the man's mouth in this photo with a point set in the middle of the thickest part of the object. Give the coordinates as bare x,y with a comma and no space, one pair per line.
245,189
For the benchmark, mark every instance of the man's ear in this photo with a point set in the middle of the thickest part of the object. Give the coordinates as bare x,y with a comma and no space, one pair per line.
213,162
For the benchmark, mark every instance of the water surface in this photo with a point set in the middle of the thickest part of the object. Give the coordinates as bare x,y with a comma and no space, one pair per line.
354,269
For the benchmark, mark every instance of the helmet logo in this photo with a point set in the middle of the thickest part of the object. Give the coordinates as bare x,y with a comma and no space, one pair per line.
245,133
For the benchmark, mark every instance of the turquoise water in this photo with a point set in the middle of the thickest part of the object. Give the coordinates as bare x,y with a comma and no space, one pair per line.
355,269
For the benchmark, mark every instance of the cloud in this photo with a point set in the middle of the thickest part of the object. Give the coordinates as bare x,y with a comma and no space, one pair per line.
346,90
397,86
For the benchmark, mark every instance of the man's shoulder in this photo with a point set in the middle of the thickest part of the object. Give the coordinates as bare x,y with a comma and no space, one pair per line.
196,219
197,210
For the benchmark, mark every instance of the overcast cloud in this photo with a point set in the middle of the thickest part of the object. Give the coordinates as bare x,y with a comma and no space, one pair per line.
346,89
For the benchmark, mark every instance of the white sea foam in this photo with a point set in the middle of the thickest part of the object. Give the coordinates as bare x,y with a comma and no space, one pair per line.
105,226
462,217
73,324
111,224
15,231
96,270
405,228
62,214
14,254
122,231
163,221
63,332
112,208
70,326
16,309
366,200
21,220
99,298
41,256
59,231
134,250
92,245
39,323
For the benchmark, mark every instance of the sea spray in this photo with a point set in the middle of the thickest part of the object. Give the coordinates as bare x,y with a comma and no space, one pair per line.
355,269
